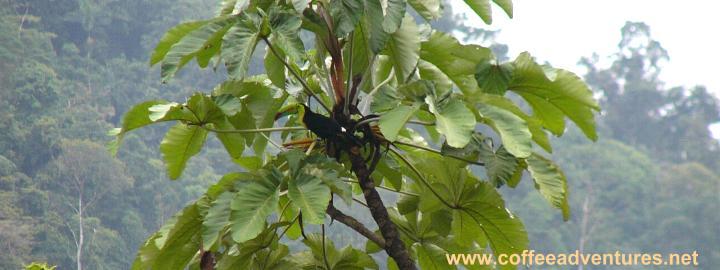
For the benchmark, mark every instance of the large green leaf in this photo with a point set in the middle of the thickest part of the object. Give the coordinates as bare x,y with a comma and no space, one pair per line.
174,245
431,256
216,219
171,37
203,43
259,107
455,61
139,115
554,97
482,208
432,73
347,14
170,112
482,8
239,44
394,14
311,195
275,68
347,258
513,130
181,143
253,203
500,165
494,78
550,181
404,48
234,143
261,252
394,120
228,6
428,9
454,119
534,125
372,32
284,33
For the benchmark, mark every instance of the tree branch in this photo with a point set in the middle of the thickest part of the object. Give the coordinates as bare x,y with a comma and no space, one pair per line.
394,246
355,225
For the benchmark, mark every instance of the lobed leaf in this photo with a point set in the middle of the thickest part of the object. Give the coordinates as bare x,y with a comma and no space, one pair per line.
454,120
404,49
180,143
239,44
513,130
203,43
550,181
553,99
394,120
253,203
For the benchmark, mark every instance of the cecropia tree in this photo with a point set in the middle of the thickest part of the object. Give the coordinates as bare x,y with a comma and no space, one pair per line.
377,100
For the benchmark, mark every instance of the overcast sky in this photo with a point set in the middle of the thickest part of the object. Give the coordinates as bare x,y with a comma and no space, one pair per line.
562,31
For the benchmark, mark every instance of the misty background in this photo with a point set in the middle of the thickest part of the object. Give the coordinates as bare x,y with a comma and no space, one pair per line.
70,69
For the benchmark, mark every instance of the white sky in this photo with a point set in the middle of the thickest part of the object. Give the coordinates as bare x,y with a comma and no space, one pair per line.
562,31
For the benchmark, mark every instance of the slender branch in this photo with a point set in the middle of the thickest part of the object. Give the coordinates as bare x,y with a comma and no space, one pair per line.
369,120
387,188
279,147
375,89
348,98
423,123
375,119
422,178
360,202
257,130
324,251
439,153
355,225
297,76
282,212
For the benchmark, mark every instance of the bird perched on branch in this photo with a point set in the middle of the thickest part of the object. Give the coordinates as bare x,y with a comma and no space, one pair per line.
323,126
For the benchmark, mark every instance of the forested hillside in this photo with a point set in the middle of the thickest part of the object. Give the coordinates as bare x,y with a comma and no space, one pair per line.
69,70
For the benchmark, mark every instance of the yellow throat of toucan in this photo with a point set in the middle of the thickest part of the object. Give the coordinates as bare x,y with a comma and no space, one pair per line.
295,108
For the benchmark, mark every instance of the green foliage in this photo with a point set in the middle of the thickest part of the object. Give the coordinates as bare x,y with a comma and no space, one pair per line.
71,70
39,266
482,8
408,76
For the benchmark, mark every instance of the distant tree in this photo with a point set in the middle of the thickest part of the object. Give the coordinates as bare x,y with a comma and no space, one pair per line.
81,176
639,110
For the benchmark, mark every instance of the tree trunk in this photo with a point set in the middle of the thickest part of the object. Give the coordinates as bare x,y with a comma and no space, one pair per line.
81,234
394,247
584,231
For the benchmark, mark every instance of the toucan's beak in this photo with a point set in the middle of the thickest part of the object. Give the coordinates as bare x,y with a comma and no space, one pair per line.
285,111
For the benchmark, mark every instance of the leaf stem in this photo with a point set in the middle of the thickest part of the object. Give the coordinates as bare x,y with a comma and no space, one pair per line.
297,76
348,98
324,252
422,178
375,119
388,189
258,130
439,152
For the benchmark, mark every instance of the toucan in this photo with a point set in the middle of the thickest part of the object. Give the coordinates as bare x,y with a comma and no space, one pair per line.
323,126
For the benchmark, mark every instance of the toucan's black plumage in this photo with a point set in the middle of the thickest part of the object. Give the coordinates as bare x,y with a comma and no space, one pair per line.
323,126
